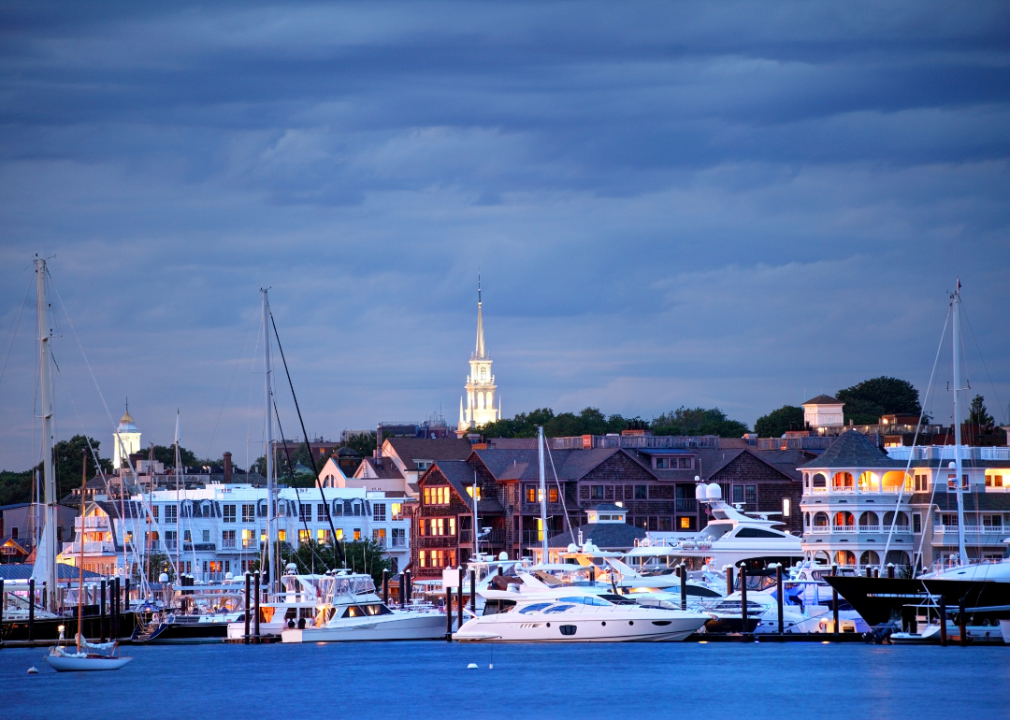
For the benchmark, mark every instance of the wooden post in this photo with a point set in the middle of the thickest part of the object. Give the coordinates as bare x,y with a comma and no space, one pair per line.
890,570
743,598
943,621
448,614
729,579
256,617
126,595
3,601
962,622
101,630
248,585
834,601
473,592
780,597
385,587
406,596
31,610
682,569
459,595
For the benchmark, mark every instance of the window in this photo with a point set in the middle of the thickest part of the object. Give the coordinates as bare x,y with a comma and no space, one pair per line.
206,536
282,535
396,511
303,536
248,513
665,524
747,532
531,493
187,536
379,537
738,493
171,513
661,463
320,512
340,534
228,538
423,558
596,492
552,495
322,536
399,537
229,513
752,494
653,524
916,523
994,481
684,463
357,534
921,484
154,512
304,513
469,491
379,512
641,492
438,495
14,532
247,538
685,524
170,539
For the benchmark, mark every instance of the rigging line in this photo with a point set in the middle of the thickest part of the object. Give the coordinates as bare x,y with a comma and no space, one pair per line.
249,414
561,492
12,333
915,439
231,385
291,475
981,357
315,469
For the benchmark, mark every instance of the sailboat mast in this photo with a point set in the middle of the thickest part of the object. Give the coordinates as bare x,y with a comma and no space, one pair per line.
268,407
49,478
80,562
543,496
956,301
178,513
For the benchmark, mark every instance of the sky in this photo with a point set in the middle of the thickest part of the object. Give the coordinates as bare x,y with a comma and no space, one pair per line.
734,204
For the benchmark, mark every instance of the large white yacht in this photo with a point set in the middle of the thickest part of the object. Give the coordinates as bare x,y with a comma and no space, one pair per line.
295,607
730,538
573,614
351,611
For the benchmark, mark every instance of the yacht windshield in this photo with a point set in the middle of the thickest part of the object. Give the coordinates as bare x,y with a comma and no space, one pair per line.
585,600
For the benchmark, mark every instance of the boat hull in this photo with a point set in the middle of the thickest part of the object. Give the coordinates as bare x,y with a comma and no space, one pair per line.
47,629
185,634
67,663
422,626
521,630
879,600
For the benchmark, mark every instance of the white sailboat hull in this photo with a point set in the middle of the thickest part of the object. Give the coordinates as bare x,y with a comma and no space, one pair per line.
70,663
397,626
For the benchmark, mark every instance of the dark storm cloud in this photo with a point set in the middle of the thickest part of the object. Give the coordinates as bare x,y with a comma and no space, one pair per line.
671,203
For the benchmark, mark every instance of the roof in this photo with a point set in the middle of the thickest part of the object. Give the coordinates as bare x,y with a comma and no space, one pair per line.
460,475
973,502
606,536
386,471
410,449
824,400
23,571
853,449
607,507
570,465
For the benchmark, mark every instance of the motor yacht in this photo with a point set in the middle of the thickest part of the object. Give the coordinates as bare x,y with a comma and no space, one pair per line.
731,537
573,614
294,607
351,611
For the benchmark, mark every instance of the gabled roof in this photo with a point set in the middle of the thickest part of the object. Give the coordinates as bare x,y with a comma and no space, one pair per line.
852,449
460,476
605,536
571,465
824,400
386,471
410,449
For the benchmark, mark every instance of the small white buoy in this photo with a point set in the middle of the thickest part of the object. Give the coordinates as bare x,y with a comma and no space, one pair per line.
471,666
33,670
491,666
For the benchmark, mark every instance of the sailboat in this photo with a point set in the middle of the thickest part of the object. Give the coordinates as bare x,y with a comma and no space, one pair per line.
86,655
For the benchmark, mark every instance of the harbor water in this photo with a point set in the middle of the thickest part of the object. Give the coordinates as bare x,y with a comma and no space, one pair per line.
432,680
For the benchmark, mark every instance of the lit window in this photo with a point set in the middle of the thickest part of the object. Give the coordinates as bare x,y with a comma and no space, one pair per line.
357,534
469,491
303,536
397,511
685,523
552,495
323,536
282,535
531,494
247,538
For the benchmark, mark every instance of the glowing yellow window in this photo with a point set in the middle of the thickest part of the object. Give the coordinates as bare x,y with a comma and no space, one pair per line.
303,536
427,496
340,533
685,523
469,491
357,534
452,526
322,535
282,535
247,538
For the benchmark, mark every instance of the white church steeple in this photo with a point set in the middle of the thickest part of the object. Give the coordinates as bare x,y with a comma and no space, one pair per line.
129,435
478,408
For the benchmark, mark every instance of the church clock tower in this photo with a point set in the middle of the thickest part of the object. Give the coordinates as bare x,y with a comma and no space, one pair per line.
478,407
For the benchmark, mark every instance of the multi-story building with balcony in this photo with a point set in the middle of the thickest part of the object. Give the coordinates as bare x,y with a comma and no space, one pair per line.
858,500
220,529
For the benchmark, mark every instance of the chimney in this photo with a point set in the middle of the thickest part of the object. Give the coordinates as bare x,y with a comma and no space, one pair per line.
227,468
378,445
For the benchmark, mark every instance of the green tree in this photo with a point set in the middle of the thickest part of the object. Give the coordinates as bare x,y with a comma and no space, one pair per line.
978,415
777,422
155,564
365,556
166,456
67,455
362,443
866,402
16,487
697,421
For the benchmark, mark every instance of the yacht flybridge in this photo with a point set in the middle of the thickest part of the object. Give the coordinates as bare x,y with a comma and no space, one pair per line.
730,538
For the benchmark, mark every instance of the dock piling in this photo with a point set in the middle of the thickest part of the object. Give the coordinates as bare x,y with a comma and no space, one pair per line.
962,622
31,612
101,626
473,592
943,621
385,587
743,600
780,597
248,587
448,614
682,569
3,601
834,603
256,617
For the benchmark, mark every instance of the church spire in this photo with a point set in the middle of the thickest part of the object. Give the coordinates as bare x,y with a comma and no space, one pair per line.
480,354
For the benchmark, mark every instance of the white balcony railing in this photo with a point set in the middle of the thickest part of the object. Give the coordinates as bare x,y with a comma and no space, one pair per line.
973,529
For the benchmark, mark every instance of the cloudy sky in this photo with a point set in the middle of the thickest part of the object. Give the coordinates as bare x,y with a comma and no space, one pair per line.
736,204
